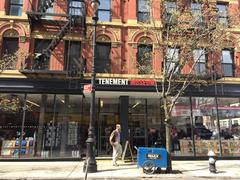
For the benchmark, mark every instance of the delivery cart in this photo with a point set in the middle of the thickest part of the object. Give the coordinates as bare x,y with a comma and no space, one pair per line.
152,159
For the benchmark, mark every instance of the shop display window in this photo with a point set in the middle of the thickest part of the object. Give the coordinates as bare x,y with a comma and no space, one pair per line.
181,134
205,125
229,120
11,116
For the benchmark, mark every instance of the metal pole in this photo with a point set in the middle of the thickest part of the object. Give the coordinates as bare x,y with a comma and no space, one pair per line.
192,127
91,165
22,127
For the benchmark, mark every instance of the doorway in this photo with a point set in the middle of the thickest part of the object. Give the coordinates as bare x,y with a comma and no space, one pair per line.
108,117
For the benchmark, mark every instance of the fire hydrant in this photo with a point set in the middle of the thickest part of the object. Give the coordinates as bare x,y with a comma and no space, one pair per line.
212,161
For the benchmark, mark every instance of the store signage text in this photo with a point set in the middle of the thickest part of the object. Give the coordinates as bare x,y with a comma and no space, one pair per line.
133,82
142,82
110,81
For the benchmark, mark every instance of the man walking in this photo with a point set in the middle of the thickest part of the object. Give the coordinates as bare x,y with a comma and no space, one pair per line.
114,140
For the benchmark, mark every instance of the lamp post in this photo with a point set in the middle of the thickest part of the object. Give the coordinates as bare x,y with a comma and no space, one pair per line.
90,164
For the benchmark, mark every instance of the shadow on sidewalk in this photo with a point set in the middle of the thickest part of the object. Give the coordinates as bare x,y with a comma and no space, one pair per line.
206,168
116,169
172,172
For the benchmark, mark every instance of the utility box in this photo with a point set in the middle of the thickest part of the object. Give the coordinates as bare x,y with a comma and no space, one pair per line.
152,159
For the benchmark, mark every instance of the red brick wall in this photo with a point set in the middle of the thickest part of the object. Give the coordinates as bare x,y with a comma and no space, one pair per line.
124,37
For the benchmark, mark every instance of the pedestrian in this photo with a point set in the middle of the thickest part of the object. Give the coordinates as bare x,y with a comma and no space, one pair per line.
114,140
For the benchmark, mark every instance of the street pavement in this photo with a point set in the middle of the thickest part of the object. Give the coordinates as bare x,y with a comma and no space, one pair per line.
227,169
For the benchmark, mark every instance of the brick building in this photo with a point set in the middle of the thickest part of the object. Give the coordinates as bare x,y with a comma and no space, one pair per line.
44,112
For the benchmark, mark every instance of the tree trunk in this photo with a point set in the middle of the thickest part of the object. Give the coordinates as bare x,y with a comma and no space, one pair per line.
168,132
168,144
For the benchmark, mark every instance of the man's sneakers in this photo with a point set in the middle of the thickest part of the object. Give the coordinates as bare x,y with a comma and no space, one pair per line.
115,164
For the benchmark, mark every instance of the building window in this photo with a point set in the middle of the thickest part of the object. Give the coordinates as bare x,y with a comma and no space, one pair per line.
49,10
199,57
41,62
76,7
222,14
143,11
9,56
72,62
15,7
103,62
172,60
10,45
104,11
170,8
144,59
196,10
227,63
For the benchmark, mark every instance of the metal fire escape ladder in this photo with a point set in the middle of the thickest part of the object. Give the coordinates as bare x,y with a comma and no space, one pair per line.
46,53
45,5
64,22
58,38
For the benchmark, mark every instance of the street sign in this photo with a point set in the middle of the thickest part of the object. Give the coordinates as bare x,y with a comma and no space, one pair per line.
87,88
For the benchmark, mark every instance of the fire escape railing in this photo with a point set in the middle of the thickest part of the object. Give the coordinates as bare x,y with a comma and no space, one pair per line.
66,23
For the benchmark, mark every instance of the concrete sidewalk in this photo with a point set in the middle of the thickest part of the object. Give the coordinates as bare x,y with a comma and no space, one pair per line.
227,169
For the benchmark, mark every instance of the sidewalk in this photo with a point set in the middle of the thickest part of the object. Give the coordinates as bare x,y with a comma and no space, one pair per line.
227,169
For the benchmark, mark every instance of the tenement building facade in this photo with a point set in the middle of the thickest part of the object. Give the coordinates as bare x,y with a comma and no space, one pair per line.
46,59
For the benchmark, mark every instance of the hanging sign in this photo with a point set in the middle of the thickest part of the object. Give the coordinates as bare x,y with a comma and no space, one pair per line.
87,88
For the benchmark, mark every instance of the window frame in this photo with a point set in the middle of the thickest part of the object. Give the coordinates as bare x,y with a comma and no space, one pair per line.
171,63
74,10
143,16
17,4
227,64
197,11
37,50
202,62
70,54
170,6
108,67
221,15
149,48
9,39
102,9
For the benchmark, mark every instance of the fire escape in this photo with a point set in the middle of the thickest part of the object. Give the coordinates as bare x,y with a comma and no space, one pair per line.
60,24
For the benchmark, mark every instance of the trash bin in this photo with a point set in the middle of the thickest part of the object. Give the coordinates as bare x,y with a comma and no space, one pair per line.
152,159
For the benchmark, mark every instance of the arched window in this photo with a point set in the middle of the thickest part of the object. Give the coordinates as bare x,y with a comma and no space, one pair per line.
9,49
144,56
103,55
10,42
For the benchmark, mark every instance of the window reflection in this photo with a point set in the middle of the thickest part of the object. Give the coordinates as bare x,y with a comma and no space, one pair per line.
205,125
181,130
229,119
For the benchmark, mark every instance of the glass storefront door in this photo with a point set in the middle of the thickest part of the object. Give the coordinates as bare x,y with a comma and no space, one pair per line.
107,119
107,122
137,122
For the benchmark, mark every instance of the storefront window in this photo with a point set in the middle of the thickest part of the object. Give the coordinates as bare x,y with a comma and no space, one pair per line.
11,116
229,119
155,125
205,125
181,134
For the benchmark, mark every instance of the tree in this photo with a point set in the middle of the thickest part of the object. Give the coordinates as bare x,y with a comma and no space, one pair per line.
186,37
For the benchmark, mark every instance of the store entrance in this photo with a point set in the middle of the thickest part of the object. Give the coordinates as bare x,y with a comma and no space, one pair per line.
138,122
106,124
